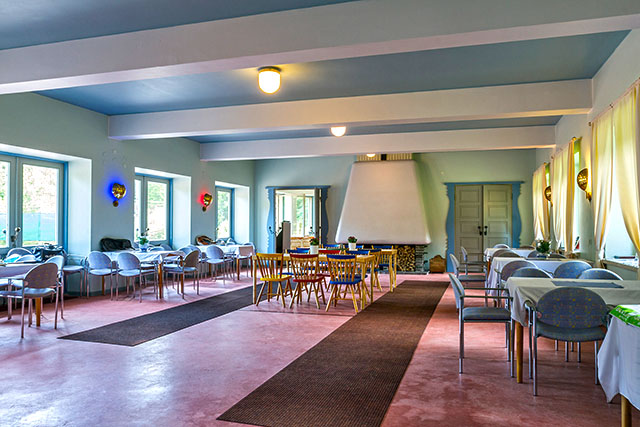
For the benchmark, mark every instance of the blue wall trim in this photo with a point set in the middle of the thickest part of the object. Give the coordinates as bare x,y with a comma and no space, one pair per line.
516,220
271,220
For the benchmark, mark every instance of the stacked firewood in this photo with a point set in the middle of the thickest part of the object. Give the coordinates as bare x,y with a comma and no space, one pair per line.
406,258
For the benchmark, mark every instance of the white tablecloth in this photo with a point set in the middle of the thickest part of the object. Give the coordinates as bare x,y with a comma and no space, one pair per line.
231,249
523,289
15,270
548,265
149,256
619,362
488,253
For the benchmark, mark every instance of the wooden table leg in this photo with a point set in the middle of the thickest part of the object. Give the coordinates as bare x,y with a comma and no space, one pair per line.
518,352
160,282
625,408
238,267
255,280
38,310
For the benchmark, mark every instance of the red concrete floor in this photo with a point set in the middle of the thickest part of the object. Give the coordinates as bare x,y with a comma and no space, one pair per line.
190,377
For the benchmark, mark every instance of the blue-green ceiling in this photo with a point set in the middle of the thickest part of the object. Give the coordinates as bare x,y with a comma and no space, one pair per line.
32,22
543,60
378,129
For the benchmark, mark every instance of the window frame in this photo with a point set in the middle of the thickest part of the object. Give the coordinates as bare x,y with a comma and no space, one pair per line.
231,191
15,209
144,180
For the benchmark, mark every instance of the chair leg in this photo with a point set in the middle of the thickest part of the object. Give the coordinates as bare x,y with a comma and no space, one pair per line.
353,297
579,352
55,319
595,346
62,283
535,365
461,343
530,350
566,351
556,345
22,321
331,297
29,303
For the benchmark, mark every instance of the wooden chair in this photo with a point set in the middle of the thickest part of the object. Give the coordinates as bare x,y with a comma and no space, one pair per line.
270,266
344,276
387,260
306,272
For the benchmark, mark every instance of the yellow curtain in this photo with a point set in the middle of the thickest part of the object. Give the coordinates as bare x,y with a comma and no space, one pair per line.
626,131
562,192
540,204
601,178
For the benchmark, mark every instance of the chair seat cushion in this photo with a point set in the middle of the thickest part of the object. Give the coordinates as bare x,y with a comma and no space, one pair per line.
101,271
38,292
356,279
72,268
569,334
129,273
485,314
177,269
472,278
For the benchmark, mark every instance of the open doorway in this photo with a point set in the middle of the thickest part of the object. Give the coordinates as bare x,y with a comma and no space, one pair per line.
299,207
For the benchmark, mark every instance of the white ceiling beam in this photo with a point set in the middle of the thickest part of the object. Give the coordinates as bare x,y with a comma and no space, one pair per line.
410,142
337,31
494,102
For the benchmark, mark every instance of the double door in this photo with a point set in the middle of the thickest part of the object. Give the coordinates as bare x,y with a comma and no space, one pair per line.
483,216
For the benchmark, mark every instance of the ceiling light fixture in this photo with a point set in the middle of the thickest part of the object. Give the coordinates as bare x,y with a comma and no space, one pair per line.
371,155
269,79
338,130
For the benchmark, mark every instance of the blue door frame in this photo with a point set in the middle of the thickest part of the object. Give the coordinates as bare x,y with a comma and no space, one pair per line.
516,221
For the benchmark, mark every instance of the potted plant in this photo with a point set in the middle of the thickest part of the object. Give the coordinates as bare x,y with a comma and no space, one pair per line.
313,245
543,246
143,241
352,242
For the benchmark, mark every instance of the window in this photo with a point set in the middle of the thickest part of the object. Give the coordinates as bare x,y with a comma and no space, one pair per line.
151,208
224,212
31,200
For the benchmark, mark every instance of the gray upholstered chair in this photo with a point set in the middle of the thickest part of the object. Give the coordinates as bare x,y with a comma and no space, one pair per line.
535,254
531,272
568,314
571,269
59,261
510,268
599,273
18,251
465,278
100,265
505,253
555,255
477,315
501,245
215,257
188,266
475,266
129,267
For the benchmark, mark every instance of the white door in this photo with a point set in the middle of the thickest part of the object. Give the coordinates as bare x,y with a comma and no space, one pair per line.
497,214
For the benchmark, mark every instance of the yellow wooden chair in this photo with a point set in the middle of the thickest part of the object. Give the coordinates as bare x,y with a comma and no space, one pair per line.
388,259
270,266
344,277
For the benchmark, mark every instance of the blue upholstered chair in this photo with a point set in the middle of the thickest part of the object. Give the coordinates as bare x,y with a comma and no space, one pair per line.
571,269
505,253
129,267
599,273
299,251
568,314
465,278
535,254
477,315
331,246
531,272
344,274
510,268
475,266
556,256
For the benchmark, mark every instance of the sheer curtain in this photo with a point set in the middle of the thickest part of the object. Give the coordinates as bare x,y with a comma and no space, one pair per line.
540,204
601,178
562,192
626,129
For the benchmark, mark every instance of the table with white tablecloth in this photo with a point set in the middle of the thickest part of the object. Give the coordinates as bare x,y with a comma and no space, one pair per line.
527,289
619,360
243,251
497,264
488,253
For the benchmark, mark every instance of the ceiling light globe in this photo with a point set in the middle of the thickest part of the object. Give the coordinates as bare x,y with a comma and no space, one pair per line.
338,130
269,79
371,155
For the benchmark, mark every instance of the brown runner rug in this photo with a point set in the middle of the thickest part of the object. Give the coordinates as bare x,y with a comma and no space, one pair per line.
350,377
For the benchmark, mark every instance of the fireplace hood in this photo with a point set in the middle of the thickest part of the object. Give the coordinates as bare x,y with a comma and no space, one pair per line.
384,205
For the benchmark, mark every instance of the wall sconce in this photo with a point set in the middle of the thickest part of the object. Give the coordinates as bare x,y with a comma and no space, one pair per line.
206,201
583,182
547,194
118,191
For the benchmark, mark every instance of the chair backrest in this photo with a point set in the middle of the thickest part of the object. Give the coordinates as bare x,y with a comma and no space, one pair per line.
337,245
42,276
558,256
192,258
270,265
329,251
527,247
98,260
299,251
304,266
530,272
18,251
465,255
58,260
214,252
458,289
455,264
156,249
501,245
27,258
505,253
571,307
127,261
342,268
166,247
534,255
571,269
358,252
186,250
383,246
246,250
599,273
509,268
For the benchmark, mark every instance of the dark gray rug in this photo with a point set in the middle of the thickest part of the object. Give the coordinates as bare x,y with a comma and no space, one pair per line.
350,377
137,330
